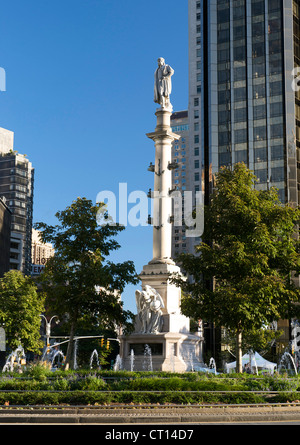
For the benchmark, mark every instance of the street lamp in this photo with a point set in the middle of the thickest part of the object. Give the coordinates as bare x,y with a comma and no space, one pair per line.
48,329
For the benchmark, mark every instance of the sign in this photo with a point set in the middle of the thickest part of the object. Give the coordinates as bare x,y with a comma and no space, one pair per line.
37,269
2,340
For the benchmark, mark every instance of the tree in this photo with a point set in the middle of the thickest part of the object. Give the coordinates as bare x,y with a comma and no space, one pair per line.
78,280
20,309
243,268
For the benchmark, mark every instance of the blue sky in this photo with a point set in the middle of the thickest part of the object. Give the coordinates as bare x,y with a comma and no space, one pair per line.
79,98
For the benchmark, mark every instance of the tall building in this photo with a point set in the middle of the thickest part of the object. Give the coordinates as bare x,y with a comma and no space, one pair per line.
244,100
184,180
180,175
243,106
16,185
5,224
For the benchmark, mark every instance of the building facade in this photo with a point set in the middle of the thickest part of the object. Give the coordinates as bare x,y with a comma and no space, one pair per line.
5,224
243,103
244,97
16,185
185,180
40,252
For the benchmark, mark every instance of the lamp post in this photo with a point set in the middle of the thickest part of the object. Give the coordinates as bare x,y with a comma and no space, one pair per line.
48,329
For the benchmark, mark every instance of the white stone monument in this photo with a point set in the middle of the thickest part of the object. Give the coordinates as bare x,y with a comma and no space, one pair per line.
159,322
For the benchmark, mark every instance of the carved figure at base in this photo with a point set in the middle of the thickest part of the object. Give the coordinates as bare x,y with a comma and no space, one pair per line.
149,305
163,84
143,301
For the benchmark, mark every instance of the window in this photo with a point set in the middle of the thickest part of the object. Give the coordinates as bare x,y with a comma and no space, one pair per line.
259,133
277,152
239,32
259,112
240,114
223,36
258,8
259,91
180,128
277,174
239,53
223,15
274,46
260,154
224,137
276,109
224,158
275,88
223,117
258,29
276,131
240,136
241,156
239,73
262,175
240,94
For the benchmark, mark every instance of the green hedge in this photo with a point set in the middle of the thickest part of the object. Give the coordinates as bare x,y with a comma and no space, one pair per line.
40,387
126,397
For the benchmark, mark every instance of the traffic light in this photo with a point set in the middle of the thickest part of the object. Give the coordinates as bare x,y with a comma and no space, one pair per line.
102,342
107,344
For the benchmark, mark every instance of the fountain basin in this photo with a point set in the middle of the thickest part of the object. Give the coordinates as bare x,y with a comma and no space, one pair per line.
169,351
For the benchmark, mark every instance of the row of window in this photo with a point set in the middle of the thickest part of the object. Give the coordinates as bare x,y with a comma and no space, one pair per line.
259,134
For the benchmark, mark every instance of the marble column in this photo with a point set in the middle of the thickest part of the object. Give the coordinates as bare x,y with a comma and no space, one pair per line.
162,206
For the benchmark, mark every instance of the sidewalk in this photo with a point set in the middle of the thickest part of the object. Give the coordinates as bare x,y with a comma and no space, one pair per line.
149,415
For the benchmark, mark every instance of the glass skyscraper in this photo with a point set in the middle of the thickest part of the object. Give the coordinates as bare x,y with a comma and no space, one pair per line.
243,99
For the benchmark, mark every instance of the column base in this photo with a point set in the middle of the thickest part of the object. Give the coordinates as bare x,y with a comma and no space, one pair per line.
174,352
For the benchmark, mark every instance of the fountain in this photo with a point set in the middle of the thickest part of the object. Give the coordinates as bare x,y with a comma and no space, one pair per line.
16,356
58,354
252,356
286,357
132,360
94,354
75,353
147,363
212,365
118,365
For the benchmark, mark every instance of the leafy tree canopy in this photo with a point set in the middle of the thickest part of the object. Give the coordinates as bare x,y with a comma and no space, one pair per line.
79,279
244,269
20,309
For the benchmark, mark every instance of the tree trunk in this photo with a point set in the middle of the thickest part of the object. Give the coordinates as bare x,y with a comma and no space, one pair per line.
239,364
70,345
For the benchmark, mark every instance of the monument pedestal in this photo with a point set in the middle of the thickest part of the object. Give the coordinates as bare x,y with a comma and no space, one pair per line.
173,349
169,351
